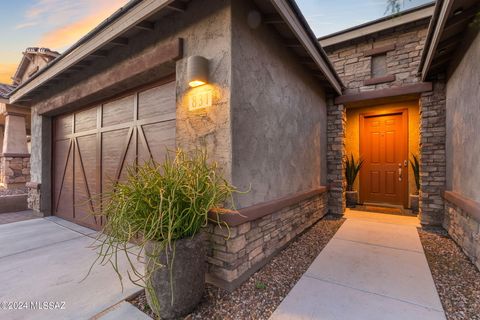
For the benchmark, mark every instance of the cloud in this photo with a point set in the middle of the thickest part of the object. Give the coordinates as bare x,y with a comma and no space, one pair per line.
65,20
25,25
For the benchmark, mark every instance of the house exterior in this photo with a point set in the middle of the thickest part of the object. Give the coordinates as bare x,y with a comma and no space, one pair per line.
276,110
421,67
15,121
452,52
121,94
387,113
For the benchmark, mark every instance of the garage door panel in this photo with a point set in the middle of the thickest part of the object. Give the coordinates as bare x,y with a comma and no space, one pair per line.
118,111
63,126
64,180
86,120
160,137
91,153
114,144
85,170
157,101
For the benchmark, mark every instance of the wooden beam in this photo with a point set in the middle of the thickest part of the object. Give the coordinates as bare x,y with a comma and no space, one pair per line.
178,6
272,19
461,18
416,88
146,25
100,53
292,43
121,41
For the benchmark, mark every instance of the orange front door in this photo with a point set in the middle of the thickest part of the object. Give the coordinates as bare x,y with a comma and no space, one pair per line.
384,148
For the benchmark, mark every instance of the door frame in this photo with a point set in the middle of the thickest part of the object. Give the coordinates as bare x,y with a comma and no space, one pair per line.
404,113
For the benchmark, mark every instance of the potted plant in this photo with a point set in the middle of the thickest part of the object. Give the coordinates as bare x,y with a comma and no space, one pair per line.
414,198
162,208
351,171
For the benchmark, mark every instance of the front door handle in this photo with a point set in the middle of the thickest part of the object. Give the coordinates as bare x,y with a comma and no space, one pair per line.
400,172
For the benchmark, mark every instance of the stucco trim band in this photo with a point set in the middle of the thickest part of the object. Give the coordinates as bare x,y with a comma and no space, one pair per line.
116,79
416,88
379,50
265,208
466,204
388,78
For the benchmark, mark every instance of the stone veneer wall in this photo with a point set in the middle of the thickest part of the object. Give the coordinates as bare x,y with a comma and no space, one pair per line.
336,125
354,67
34,196
14,170
464,230
432,154
237,252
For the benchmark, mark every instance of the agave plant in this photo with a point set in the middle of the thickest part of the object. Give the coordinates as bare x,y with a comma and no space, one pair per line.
416,171
351,171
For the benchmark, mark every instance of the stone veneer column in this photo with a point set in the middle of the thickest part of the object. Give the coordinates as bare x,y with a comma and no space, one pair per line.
432,154
15,159
336,125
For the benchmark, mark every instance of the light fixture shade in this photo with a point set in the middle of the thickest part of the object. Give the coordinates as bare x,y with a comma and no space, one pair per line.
197,71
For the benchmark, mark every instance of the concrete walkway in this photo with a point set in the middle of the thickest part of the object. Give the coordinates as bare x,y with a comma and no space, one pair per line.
373,268
45,260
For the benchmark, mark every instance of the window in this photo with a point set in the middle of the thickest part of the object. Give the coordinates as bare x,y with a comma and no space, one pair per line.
379,65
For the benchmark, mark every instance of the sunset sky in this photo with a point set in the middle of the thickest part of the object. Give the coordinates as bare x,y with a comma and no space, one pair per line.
57,24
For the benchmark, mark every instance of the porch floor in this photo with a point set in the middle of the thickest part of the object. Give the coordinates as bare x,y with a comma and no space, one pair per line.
373,268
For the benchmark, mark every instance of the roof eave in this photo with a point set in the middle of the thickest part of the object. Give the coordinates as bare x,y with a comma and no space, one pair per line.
392,21
295,20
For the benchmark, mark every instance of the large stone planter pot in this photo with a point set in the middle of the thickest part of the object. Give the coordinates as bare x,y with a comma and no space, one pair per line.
187,275
352,198
414,198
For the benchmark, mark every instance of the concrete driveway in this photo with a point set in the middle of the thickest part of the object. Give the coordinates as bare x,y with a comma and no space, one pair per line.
44,261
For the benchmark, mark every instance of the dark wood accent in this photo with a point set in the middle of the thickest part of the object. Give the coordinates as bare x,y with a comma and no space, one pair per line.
178,6
384,149
468,205
272,19
16,155
146,25
92,147
379,50
292,43
416,88
120,42
100,53
262,209
384,79
149,65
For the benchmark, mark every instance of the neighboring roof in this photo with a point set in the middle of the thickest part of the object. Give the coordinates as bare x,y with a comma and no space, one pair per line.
446,33
5,90
136,15
48,54
385,23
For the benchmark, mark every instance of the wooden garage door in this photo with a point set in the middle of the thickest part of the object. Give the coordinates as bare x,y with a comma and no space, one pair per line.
93,147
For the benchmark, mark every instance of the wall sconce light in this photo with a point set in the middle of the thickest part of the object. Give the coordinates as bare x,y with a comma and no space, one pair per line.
197,71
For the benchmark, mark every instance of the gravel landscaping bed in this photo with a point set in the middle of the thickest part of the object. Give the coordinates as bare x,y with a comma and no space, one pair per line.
259,296
456,278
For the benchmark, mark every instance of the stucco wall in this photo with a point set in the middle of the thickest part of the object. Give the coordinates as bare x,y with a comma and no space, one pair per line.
463,130
352,142
278,115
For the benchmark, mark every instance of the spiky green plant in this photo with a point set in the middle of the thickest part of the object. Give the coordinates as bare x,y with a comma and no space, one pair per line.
162,203
351,171
416,171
